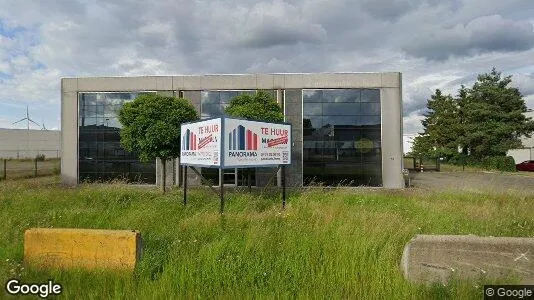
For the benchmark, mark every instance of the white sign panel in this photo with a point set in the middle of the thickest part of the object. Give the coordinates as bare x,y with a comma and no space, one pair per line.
251,143
233,143
201,143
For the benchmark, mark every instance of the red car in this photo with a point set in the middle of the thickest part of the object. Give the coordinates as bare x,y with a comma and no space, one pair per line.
527,165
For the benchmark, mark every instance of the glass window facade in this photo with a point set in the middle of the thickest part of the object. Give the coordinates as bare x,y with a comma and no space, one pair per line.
100,154
342,137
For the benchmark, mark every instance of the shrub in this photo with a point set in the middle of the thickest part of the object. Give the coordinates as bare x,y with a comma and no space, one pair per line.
501,163
40,157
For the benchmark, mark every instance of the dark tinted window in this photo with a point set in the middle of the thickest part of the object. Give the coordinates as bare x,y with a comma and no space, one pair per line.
342,136
101,156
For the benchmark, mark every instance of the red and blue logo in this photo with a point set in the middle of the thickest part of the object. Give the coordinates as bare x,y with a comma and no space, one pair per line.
242,139
189,141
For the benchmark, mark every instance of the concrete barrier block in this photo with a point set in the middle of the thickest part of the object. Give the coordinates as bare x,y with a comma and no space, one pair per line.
438,258
82,248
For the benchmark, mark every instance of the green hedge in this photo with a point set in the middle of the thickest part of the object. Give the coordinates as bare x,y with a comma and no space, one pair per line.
501,163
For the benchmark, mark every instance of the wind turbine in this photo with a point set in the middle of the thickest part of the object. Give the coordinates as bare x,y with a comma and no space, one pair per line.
28,120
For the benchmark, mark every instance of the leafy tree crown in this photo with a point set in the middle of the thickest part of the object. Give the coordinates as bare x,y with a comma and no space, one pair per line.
485,120
151,125
259,107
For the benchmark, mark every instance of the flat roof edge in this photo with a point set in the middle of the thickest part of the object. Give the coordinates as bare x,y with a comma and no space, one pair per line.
230,74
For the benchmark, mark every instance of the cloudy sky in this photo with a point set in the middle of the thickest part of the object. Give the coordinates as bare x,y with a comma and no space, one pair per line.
434,43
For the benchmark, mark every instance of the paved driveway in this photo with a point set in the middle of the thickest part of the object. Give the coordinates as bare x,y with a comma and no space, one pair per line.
492,182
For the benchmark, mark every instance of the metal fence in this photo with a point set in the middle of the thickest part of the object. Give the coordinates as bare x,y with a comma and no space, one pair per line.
25,168
421,164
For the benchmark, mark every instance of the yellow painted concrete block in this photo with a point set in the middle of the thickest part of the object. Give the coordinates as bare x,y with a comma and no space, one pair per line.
82,248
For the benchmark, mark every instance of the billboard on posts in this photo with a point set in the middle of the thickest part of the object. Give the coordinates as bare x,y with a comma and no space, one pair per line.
233,143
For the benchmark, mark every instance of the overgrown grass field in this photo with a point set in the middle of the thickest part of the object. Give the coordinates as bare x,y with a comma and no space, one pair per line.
336,243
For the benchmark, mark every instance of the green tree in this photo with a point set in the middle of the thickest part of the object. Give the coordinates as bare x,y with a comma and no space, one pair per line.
494,116
151,127
259,107
485,120
439,138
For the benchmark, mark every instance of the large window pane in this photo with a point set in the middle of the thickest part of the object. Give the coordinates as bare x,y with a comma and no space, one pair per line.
342,140
101,156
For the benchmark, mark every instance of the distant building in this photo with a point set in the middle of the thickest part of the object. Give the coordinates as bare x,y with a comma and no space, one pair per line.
527,152
347,127
23,143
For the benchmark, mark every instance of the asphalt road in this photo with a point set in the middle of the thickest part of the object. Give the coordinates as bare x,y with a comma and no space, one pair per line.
487,182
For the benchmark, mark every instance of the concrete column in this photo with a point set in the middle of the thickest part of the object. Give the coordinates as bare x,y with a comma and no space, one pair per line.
195,98
169,170
280,101
293,115
391,111
69,132
177,172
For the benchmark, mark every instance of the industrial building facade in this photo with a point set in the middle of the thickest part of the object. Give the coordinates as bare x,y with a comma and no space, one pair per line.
347,127
29,143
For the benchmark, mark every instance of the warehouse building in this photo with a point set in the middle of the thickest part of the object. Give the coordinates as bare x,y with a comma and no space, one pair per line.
29,143
347,127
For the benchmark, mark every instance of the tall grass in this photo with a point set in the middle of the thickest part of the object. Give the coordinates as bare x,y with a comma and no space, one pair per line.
337,243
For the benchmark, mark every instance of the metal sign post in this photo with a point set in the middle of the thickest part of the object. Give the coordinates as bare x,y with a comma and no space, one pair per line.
283,187
221,192
185,185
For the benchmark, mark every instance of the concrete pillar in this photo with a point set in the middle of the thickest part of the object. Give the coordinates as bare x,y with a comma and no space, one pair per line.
169,170
293,115
69,131
391,111
195,98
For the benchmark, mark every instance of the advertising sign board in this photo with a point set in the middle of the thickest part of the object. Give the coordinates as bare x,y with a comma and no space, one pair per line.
232,143
200,143
252,143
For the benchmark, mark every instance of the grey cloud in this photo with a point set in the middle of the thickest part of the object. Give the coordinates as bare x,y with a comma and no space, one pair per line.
525,83
274,24
412,123
414,106
481,35
271,34
389,10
